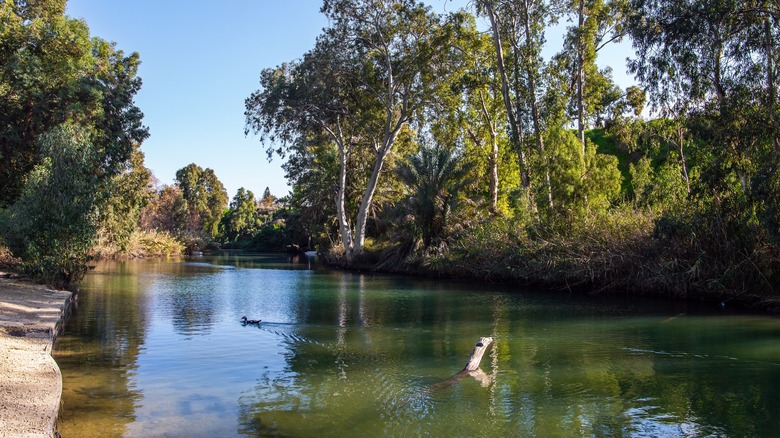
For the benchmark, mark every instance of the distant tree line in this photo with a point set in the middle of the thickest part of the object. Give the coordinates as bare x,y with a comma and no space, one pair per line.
195,211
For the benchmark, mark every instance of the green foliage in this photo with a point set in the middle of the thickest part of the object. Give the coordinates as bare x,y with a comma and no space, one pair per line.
663,188
642,179
710,248
241,220
313,174
636,99
204,198
153,244
119,212
69,130
52,225
576,191
271,237
52,72
689,199
594,97
353,96
475,113
434,178
604,248
190,210
711,67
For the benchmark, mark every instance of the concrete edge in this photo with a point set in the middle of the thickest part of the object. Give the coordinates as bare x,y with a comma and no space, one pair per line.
31,318
59,326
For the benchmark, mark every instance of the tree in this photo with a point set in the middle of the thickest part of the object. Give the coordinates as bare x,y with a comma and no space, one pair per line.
433,178
313,173
511,100
481,115
368,74
52,72
241,220
518,36
205,198
267,199
52,224
599,23
128,195
711,66
68,129
166,211
662,188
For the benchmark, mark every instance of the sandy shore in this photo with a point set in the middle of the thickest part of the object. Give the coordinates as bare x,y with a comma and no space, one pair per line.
30,380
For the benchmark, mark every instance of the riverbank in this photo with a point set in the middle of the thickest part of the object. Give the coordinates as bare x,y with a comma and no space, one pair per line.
30,380
623,269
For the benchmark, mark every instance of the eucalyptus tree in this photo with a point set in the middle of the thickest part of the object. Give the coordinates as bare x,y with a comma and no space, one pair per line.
484,133
482,111
599,23
371,71
716,62
517,29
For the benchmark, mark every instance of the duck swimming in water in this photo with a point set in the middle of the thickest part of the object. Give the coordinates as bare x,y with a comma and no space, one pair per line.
249,321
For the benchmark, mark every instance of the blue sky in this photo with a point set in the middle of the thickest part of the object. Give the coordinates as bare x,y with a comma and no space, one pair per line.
200,60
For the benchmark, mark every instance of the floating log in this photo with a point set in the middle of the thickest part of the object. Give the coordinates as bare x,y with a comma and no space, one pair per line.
471,369
476,354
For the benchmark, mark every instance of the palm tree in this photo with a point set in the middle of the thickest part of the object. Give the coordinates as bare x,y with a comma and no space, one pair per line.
433,178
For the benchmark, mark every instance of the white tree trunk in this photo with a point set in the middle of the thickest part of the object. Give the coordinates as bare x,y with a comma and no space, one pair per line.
513,124
581,79
344,228
368,194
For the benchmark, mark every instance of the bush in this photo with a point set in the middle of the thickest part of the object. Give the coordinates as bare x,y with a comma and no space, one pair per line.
154,244
271,238
600,248
51,226
194,241
7,259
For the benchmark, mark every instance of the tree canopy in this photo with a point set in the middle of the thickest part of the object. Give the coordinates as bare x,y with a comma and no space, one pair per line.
69,130
52,71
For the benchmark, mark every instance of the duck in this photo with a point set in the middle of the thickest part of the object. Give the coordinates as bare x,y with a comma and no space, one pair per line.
249,321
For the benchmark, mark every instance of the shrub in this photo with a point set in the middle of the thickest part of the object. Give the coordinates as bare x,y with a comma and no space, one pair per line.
51,226
154,244
270,238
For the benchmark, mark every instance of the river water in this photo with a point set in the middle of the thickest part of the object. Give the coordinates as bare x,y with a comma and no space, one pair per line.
156,348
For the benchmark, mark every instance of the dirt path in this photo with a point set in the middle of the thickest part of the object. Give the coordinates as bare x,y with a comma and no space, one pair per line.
30,380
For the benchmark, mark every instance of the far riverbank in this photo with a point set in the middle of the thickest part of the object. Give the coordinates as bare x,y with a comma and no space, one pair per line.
627,276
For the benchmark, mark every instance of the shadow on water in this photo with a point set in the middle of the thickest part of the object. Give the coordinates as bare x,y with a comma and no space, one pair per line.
157,348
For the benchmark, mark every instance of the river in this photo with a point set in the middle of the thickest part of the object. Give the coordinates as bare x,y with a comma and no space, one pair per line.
156,348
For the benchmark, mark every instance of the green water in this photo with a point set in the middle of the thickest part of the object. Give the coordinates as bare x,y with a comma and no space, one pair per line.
155,348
